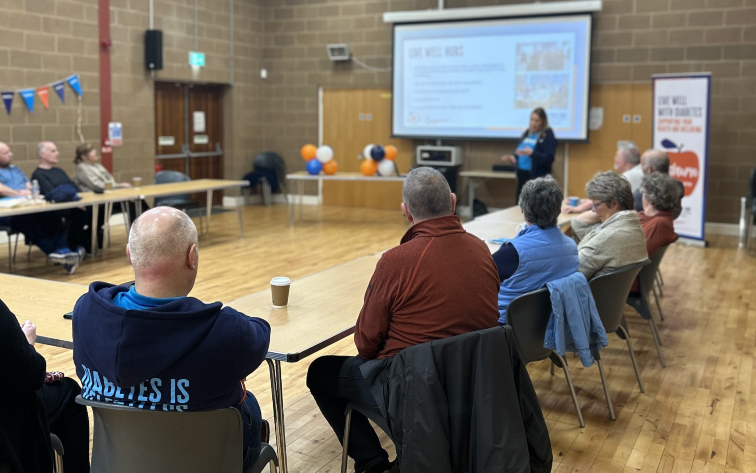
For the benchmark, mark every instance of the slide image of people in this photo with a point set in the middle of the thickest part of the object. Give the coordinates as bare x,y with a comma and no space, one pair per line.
550,56
549,91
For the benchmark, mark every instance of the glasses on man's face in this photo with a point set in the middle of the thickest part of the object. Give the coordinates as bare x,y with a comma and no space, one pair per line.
596,205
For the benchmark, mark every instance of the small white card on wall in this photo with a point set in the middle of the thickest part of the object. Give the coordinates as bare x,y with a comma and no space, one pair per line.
199,122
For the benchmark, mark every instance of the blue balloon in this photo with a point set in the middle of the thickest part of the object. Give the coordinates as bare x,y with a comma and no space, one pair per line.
377,153
314,166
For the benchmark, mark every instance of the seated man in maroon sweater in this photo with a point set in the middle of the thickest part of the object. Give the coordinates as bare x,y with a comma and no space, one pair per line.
439,282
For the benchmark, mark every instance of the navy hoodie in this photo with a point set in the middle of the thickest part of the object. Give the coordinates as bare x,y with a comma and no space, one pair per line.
185,355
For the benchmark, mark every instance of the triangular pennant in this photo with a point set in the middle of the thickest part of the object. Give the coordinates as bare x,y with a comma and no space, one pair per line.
28,96
8,100
60,89
73,81
44,96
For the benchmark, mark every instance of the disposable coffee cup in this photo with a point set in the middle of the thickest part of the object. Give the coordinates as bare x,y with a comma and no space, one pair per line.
574,201
279,289
136,182
108,185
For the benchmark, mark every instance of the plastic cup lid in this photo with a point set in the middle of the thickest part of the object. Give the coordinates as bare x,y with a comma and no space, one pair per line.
280,281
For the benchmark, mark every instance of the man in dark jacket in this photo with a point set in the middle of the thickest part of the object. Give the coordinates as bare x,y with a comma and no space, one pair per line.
440,282
150,346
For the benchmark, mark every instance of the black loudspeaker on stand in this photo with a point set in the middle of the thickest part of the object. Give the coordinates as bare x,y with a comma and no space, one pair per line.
153,50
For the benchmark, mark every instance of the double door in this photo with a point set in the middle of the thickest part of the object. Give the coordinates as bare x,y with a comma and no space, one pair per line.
189,131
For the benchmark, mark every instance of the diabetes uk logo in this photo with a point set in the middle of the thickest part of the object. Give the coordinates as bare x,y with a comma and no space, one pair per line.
683,165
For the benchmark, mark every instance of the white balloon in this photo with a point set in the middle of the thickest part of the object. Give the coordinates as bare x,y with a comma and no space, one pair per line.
324,154
387,168
366,151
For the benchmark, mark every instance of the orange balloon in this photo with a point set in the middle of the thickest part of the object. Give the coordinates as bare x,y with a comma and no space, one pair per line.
330,167
368,167
391,152
308,152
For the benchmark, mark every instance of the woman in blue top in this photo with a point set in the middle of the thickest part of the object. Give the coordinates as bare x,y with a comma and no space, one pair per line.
535,153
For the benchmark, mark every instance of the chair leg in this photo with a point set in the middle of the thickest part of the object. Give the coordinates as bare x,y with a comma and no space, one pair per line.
632,358
606,389
658,306
657,341
283,189
15,249
659,284
58,463
568,378
272,466
659,275
552,368
345,442
10,255
126,223
28,253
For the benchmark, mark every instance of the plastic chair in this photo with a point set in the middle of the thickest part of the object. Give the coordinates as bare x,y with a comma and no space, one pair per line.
610,293
57,446
528,315
183,201
269,161
127,439
11,255
639,300
370,414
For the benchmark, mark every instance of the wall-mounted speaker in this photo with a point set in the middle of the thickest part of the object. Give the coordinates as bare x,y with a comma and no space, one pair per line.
153,50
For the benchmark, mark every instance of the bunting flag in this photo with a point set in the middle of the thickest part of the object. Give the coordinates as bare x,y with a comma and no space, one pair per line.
44,95
28,96
73,81
8,100
60,89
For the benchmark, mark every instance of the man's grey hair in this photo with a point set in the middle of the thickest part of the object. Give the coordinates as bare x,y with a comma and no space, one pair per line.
657,161
41,148
609,188
541,202
631,155
426,194
153,241
661,191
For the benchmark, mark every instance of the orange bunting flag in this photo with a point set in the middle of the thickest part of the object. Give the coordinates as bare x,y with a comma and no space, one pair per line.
44,96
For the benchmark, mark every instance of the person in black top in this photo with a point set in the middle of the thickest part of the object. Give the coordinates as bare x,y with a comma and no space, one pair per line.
534,154
34,403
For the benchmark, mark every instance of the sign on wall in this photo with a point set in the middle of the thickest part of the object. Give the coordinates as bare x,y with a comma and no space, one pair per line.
681,128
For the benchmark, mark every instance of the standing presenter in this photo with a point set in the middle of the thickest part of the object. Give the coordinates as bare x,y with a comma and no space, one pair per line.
535,153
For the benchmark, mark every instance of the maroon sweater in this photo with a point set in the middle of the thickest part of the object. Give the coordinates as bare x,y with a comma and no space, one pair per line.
439,282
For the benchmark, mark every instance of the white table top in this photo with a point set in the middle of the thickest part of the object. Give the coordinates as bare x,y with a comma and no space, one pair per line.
482,173
341,176
491,230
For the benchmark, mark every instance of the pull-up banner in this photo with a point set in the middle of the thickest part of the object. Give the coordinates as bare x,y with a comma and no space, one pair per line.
681,128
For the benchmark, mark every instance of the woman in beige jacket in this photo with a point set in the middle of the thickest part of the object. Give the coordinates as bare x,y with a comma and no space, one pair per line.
619,239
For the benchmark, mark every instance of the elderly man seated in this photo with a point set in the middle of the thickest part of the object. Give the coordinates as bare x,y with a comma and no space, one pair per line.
539,254
150,346
656,161
438,283
618,240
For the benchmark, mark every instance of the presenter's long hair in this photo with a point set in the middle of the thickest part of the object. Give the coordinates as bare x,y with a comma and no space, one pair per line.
542,115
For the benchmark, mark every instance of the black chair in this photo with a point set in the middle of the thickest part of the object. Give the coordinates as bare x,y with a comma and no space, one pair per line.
639,300
610,293
11,255
370,414
268,165
528,315
127,439
58,450
183,201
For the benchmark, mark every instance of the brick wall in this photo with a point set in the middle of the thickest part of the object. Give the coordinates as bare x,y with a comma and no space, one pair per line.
632,40
45,40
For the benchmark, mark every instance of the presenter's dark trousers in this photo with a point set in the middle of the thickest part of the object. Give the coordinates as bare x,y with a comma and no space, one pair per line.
522,177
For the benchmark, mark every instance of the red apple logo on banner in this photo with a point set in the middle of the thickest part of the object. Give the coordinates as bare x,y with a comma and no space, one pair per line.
683,165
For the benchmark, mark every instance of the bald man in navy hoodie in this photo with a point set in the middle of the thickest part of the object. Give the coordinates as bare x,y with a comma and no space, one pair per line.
150,346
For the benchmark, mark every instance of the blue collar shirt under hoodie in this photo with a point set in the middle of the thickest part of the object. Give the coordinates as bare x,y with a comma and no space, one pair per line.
183,355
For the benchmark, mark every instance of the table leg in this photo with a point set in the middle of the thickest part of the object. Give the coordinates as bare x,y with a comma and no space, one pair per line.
239,201
276,389
301,197
292,207
472,191
138,208
106,227
95,210
209,209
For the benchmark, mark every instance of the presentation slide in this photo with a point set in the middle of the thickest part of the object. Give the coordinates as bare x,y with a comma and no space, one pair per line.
482,79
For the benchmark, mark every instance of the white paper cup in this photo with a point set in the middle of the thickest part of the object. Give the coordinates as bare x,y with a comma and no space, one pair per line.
279,289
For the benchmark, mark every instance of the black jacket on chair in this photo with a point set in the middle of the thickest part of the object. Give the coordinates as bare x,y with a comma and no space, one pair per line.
462,404
24,434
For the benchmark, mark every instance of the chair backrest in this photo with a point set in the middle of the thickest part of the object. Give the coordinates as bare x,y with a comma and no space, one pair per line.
168,177
752,183
610,293
271,161
529,315
127,439
648,273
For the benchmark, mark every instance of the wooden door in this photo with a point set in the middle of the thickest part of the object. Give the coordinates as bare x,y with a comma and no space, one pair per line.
643,110
189,122
352,119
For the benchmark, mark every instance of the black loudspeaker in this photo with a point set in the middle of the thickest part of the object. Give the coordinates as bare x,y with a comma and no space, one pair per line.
153,50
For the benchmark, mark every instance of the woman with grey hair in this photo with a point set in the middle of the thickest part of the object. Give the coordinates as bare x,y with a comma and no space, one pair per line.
618,240
540,253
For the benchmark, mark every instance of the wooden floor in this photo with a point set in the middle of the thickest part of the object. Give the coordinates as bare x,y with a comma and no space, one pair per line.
697,415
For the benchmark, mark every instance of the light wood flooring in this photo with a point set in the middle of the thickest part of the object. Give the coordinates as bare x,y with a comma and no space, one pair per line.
697,415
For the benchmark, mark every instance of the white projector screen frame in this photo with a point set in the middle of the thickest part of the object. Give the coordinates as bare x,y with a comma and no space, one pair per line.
578,119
